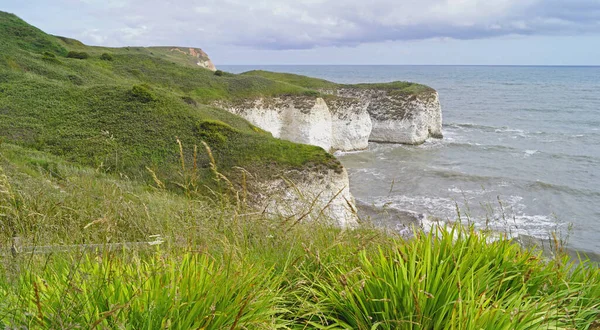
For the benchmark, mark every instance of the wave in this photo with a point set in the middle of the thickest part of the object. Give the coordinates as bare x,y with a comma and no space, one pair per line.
575,158
446,174
546,186
431,210
474,145
470,125
526,153
555,136
484,128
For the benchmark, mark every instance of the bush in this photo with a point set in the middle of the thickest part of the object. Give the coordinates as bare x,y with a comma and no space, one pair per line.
189,100
214,132
219,73
106,57
142,94
50,57
78,55
76,80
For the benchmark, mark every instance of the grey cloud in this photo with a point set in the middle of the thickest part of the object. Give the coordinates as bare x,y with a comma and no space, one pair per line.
293,24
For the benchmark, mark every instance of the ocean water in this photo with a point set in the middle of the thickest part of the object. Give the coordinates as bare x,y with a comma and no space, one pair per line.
520,153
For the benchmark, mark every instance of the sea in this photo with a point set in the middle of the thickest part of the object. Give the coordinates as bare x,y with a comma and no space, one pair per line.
520,153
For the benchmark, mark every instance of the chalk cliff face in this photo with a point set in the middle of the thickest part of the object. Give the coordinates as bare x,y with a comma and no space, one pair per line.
399,117
341,124
347,119
351,124
310,196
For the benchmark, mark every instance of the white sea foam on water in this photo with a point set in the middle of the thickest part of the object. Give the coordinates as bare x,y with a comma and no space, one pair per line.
435,206
530,152
432,144
510,218
339,153
365,172
538,226
464,192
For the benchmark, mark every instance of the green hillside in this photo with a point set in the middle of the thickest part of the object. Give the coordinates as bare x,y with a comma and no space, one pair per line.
122,109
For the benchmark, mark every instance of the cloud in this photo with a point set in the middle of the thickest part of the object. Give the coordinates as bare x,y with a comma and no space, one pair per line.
297,24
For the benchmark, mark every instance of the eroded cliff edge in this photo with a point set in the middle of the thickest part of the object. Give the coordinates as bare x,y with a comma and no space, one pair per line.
345,117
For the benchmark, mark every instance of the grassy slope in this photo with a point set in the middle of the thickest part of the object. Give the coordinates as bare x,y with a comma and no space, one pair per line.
400,87
88,111
222,267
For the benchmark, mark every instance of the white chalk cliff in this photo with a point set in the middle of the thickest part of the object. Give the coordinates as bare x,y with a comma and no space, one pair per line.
344,124
345,118
310,195
348,118
399,117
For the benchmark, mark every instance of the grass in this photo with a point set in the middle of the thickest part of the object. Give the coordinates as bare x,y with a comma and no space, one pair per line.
123,115
221,265
191,291
452,278
396,87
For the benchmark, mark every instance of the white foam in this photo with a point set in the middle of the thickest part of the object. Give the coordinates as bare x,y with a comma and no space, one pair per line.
528,153
339,153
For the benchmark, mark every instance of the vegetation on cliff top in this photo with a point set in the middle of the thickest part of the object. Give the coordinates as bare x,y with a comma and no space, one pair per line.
400,87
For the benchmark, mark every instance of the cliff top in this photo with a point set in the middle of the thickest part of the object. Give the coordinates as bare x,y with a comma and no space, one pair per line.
402,87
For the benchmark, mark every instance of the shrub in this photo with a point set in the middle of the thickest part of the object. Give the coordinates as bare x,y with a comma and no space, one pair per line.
78,55
219,73
106,57
76,80
214,132
189,100
50,57
142,94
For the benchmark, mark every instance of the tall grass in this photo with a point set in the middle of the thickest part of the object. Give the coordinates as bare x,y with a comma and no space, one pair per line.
190,291
452,278
222,265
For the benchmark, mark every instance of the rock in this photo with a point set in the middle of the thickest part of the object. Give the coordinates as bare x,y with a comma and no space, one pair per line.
351,124
399,117
347,119
338,124
310,195
300,119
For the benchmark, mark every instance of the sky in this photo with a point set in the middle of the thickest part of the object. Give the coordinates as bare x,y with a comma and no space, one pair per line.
437,32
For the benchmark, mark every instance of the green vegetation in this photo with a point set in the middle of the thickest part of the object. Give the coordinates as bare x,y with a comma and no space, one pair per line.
220,266
304,81
123,115
109,150
398,87
78,55
106,57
